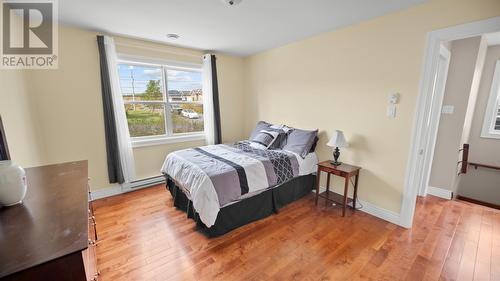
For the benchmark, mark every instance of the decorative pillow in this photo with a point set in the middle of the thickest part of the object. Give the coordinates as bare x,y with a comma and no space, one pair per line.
300,141
283,131
265,138
282,127
261,125
313,147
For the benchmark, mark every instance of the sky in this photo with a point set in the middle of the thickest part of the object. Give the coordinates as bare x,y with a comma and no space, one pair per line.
177,79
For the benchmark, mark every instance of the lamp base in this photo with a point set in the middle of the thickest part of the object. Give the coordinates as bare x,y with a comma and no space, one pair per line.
336,154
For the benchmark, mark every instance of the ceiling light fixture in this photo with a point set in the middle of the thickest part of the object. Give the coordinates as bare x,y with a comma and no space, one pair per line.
232,2
173,36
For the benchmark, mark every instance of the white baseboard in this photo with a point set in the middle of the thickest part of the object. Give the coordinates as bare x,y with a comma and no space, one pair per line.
374,210
440,192
127,187
378,212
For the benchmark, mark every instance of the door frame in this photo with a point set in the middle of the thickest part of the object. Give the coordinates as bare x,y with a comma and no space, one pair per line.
419,143
436,101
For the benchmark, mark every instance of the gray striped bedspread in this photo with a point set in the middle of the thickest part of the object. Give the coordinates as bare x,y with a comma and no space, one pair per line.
216,175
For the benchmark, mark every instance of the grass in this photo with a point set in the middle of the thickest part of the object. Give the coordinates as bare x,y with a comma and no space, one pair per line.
144,117
145,122
184,125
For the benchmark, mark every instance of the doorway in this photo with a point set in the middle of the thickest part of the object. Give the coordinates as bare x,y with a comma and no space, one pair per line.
427,115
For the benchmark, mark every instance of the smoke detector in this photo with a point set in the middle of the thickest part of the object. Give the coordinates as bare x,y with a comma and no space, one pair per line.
232,2
173,36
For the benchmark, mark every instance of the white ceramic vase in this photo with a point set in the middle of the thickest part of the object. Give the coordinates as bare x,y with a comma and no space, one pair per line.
12,183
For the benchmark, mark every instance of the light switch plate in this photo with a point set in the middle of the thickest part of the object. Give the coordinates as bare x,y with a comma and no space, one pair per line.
391,111
448,109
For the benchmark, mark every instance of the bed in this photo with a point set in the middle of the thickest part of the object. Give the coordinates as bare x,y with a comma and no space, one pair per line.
225,186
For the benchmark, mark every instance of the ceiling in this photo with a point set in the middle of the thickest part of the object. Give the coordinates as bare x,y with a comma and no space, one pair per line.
245,29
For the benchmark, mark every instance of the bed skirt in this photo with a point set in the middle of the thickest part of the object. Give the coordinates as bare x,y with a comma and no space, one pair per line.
247,210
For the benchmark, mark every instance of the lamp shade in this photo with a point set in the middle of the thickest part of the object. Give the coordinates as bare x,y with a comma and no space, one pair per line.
337,140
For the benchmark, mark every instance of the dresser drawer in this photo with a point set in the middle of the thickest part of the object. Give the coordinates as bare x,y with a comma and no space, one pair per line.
90,262
89,255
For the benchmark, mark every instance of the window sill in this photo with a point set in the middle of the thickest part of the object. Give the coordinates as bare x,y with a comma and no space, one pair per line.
150,141
490,135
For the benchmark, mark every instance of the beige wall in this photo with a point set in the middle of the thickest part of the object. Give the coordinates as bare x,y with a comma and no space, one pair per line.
464,55
483,184
69,105
341,79
18,115
19,120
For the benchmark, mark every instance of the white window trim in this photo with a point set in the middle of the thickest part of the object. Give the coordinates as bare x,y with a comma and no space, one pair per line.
163,64
164,139
490,114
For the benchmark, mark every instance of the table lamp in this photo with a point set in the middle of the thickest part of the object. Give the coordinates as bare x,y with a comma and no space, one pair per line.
337,140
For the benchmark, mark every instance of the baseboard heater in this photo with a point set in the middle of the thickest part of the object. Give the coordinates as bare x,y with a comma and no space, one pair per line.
146,182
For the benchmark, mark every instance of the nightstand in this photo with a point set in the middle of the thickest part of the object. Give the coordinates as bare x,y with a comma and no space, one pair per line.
347,172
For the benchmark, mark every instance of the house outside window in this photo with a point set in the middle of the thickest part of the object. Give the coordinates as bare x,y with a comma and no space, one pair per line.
163,102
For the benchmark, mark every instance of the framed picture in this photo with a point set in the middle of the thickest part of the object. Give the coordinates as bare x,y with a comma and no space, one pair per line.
4,149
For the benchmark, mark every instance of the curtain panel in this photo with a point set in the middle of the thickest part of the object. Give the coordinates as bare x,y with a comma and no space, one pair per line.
119,152
211,108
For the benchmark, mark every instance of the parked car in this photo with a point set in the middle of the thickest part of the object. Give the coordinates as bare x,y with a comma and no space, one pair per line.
189,113
175,108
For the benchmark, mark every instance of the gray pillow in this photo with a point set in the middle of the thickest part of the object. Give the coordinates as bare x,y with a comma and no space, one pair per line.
261,125
283,134
300,141
265,138
281,129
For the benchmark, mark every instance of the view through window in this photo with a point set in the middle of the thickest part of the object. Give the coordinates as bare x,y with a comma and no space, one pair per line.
491,123
161,100
497,119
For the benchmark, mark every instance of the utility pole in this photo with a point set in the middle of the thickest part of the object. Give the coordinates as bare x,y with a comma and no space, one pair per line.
133,85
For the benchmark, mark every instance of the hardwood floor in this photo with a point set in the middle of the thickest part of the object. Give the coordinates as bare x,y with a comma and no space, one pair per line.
142,237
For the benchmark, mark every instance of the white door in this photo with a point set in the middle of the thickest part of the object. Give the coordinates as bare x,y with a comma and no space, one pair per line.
431,128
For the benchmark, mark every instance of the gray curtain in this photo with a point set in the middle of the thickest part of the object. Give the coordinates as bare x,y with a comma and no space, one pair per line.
115,172
215,93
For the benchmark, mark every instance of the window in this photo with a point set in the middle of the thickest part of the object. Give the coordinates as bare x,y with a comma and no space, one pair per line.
491,125
162,102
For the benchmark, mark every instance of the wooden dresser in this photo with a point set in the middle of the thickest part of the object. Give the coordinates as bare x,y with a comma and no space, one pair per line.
51,236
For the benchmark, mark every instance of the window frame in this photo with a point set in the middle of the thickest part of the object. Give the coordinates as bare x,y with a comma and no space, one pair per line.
492,109
164,65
